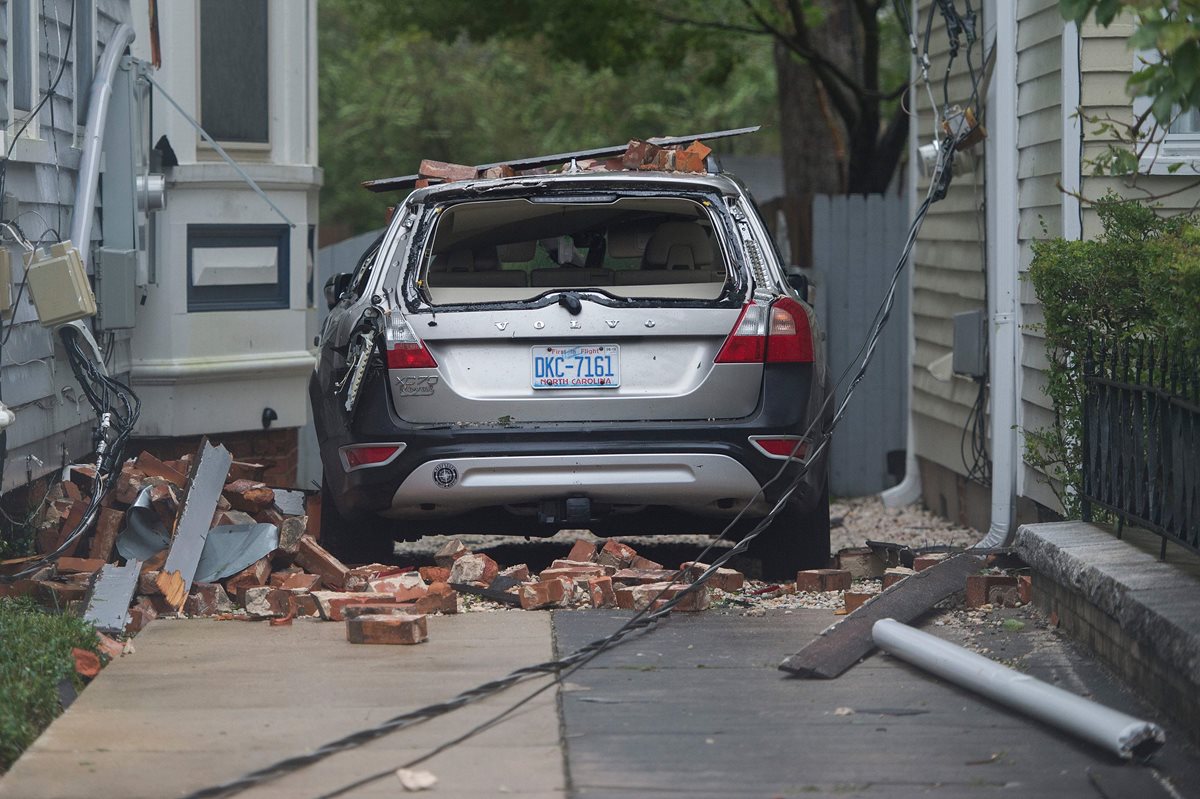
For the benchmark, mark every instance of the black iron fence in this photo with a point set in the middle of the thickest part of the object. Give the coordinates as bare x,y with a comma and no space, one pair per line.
1141,438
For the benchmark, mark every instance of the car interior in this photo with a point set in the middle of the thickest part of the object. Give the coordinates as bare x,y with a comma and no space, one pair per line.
515,249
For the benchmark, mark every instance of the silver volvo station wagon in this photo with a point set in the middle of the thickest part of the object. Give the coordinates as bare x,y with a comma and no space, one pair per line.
620,351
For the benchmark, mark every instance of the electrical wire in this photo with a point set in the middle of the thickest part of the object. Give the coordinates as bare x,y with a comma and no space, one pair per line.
979,470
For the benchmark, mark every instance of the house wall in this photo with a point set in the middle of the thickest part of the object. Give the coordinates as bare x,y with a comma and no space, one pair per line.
53,420
1040,115
218,371
948,278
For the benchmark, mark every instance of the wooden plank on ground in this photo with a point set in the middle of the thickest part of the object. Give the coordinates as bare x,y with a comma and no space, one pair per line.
207,478
112,591
839,647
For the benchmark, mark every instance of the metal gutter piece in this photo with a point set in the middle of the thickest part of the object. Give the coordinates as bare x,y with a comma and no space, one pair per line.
93,140
409,181
108,603
205,482
1123,735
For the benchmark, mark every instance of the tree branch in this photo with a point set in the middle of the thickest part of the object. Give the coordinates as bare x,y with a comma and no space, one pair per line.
709,24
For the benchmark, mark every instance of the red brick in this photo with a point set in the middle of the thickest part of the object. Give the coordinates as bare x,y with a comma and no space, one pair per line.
248,495
129,484
861,562
435,574
519,572
333,602
728,580
104,537
922,562
637,152
387,630
110,646
1004,596
979,586
378,609
1025,588
601,593
642,576
148,583
817,580
582,551
544,594
78,565
291,530
895,574
639,562
153,467
695,601
84,477
404,587
441,598
206,599
315,559
87,663
141,614
446,171
271,515
449,552
580,572
256,574
305,605
69,490
501,171
301,581
855,600
614,553
474,569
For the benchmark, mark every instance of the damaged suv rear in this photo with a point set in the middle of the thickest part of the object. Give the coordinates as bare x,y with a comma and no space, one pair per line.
612,350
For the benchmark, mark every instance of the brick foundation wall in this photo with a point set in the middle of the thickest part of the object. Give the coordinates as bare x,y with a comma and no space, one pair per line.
1103,636
278,450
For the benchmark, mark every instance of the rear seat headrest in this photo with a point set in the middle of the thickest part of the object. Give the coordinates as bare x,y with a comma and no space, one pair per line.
461,259
678,245
629,240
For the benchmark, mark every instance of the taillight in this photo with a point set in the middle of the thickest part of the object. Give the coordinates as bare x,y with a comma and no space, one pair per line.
781,447
778,333
360,456
404,349
790,337
410,356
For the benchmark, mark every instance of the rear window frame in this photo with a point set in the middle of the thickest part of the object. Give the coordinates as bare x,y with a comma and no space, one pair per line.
733,294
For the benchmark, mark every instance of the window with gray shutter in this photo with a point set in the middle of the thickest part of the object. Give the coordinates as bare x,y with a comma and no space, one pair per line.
233,70
22,55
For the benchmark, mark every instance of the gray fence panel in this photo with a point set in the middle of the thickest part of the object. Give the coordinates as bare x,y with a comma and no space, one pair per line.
856,241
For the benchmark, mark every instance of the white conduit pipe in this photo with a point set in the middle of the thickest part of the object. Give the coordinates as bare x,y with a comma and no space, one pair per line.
1109,729
93,140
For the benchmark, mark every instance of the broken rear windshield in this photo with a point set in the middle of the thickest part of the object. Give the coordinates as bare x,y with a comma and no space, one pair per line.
515,249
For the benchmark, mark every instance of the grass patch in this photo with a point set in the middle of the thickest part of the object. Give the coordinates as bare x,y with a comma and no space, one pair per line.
35,655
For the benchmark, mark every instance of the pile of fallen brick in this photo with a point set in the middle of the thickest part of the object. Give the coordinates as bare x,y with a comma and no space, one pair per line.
639,155
66,583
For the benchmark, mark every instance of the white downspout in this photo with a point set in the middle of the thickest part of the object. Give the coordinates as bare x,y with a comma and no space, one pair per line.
93,140
1003,273
1072,135
908,490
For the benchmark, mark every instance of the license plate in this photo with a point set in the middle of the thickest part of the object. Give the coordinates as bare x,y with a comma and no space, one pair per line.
582,366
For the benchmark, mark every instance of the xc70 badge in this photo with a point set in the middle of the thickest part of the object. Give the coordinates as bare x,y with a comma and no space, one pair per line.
416,385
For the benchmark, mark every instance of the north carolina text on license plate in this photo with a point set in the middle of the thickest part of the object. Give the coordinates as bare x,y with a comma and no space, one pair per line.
581,366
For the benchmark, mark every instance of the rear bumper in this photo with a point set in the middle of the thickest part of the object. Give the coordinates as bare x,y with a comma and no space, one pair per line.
689,465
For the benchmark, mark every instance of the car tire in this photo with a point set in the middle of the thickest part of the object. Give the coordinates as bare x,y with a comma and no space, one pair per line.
368,540
796,539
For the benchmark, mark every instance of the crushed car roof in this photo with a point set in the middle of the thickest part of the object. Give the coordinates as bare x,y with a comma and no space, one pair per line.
664,154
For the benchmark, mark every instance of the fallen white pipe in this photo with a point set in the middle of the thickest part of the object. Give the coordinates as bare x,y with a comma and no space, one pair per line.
1109,729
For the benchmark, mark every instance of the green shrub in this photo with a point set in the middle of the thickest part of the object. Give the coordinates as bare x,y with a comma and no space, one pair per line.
1138,282
35,655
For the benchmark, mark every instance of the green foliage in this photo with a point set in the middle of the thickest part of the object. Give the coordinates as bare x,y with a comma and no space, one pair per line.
34,658
387,101
1140,281
1170,79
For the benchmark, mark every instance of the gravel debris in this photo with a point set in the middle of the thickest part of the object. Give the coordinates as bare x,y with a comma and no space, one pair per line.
866,518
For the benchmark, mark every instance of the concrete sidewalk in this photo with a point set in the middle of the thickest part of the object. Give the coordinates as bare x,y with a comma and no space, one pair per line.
203,701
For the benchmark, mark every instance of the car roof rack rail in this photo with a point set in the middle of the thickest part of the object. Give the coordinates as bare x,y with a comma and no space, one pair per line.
410,181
